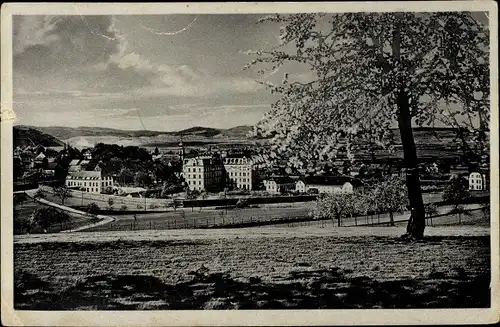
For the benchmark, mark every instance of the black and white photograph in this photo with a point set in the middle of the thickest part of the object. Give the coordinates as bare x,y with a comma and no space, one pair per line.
267,158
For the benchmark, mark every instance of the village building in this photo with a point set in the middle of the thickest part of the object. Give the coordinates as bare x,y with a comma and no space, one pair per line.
40,161
203,173
328,184
87,154
279,184
239,172
89,181
478,181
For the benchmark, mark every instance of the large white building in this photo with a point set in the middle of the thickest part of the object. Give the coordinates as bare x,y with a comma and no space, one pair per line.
203,173
89,181
239,172
328,184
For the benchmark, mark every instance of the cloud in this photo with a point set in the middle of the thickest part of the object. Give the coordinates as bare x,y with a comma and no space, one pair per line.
42,43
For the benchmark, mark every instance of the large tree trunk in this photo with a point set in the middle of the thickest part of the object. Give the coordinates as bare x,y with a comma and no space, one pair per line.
391,218
416,223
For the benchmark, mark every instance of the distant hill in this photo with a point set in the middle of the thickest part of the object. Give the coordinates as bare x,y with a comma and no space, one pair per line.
65,133
23,136
89,136
197,131
236,132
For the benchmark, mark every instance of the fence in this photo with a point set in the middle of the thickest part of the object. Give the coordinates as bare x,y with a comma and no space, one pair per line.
239,221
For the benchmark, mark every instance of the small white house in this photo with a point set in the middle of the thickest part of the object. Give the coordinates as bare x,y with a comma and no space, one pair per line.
278,185
477,181
328,184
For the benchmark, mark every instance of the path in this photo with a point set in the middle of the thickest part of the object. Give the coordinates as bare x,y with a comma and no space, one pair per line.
104,219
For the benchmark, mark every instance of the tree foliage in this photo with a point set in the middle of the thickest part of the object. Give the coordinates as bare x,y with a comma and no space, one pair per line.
335,206
142,179
391,196
456,191
39,194
47,217
367,72
92,208
63,193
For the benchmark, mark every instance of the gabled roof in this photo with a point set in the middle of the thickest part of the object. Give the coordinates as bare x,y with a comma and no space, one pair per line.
84,175
41,156
74,162
331,180
280,179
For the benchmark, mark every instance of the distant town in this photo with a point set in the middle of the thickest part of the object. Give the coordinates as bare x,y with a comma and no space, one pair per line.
214,171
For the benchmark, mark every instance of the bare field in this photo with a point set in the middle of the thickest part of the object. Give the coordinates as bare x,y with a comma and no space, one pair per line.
253,268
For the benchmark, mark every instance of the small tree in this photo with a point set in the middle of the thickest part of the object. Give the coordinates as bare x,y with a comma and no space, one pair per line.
111,202
39,194
486,211
430,211
334,206
62,192
62,218
361,205
175,203
44,218
93,218
456,191
392,196
459,210
22,224
92,208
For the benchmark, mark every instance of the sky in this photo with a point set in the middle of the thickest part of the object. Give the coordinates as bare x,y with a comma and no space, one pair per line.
164,73
155,72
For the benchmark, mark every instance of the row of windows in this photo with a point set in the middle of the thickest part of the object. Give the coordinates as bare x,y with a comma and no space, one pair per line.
244,180
206,176
236,174
212,167
79,183
194,182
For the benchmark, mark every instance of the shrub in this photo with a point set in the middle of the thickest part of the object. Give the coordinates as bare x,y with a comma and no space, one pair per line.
123,208
92,208
39,194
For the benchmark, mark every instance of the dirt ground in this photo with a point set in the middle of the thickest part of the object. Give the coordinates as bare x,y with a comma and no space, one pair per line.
253,268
